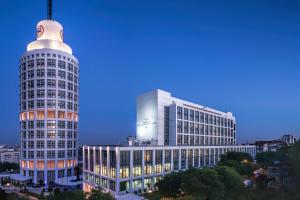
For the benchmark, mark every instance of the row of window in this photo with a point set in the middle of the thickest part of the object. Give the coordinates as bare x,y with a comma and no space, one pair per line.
195,128
51,144
61,94
50,134
202,140
50,124
196,116
51,83
51,73
49,154
53,55
40,103
184,157
50,63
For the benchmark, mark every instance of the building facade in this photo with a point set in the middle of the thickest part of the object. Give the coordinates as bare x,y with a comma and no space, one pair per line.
289,139
166,120
49,93
172,135
11,155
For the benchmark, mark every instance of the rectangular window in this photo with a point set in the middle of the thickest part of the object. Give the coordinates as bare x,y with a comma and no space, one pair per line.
61,64
186,114
179,112
179,126
196,116
191,115
51,62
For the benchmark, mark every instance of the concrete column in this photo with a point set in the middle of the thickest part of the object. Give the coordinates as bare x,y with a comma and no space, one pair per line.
186,159
172,160
89,163
193,154
117,170
108,163
83,157
179,159
163,161
94,158
100,171
143,166
131,169
153,160
34,176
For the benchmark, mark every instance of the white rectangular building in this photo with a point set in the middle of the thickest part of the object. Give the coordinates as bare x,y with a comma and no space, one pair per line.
172,135
10,156
166,120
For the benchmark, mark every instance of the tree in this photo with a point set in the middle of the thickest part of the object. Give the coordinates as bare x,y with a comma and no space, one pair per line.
70,195
204,183
294,156
3,195
229,176
238,156
169,186
269,157
99,195
241,162
5,166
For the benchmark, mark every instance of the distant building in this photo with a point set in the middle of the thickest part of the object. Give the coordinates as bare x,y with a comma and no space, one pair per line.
271,145
288,139
9,154
172,135
274,145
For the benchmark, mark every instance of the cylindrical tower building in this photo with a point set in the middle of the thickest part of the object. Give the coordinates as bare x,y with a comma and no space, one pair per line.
49,87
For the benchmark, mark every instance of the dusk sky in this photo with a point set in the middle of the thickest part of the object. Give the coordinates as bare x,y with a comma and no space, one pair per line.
237,56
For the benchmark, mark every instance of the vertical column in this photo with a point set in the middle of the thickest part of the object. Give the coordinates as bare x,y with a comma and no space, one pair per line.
186,159
179,159
34,176
143,166
153,160
94,159
153,166
100,161
118,170
193,158
89,163
131,169
163,161
108,164
172,160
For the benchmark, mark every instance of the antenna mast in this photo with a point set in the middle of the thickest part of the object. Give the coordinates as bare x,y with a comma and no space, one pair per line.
49,10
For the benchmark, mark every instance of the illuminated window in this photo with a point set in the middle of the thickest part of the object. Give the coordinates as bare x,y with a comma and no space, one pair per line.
61,164
51,114
40,114
50,164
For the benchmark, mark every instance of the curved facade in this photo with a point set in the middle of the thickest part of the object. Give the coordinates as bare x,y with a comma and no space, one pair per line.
49,94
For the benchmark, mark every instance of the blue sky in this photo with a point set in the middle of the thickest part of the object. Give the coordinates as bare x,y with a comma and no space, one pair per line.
238,56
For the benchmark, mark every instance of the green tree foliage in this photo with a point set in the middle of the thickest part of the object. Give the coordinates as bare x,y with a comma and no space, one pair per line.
99,195
4,166
267,158
203,183
70,195
241,162
3,195
237,156
294,156
170,185
231,179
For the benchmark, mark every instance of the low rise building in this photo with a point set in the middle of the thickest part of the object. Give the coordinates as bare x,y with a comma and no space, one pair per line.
11,155
172,135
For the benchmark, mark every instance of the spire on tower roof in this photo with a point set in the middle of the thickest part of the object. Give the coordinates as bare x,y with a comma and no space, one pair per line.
49,10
